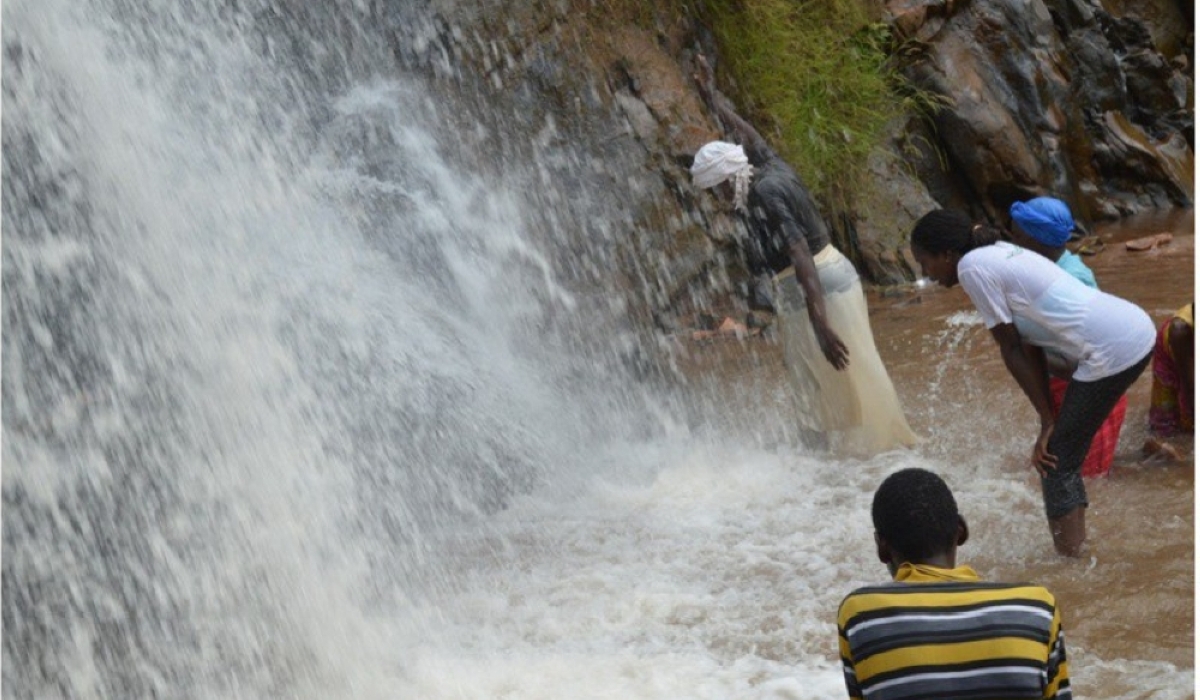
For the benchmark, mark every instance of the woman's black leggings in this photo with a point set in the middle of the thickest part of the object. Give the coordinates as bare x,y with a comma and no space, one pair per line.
1083,411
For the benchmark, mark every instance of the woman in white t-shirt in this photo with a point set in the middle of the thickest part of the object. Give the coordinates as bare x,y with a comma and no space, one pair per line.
1110,338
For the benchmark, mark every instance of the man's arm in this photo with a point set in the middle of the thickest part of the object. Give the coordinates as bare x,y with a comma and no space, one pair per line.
740,130
1058,679
1030,374
780,216
848,672
832,347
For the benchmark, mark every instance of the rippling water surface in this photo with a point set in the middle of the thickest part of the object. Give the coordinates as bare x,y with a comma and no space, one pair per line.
295,405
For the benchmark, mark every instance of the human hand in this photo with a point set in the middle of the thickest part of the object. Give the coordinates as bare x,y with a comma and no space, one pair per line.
832,347
1041,459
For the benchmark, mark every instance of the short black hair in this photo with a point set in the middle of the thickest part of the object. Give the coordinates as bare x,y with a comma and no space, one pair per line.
950,230
916,514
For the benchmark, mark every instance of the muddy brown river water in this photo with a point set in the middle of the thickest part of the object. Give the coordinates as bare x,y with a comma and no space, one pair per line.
1129,603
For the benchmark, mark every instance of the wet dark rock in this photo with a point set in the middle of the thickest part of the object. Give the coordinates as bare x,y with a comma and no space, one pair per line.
1097,82
1071,13
1060,98
761,295
1156,174
1149,84
919,19
1088,102
758,320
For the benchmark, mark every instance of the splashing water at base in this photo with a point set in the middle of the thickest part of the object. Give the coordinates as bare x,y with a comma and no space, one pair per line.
959,327
276,424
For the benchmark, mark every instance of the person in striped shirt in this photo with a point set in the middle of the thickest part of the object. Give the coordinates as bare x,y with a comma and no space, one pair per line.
937,630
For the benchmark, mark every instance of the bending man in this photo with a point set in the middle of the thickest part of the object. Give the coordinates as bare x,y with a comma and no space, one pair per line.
845,395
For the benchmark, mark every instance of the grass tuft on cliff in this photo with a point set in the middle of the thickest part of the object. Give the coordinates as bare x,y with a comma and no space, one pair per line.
818,78
814,76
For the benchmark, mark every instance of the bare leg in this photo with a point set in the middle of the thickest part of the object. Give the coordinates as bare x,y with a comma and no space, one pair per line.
1069,533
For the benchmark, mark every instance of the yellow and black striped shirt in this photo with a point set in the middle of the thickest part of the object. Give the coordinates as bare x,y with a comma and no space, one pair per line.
942,633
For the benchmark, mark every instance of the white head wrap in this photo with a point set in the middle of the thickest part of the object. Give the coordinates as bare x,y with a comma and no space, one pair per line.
718,161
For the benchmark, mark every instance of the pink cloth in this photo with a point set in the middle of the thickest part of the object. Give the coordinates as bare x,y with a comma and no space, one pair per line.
1171,410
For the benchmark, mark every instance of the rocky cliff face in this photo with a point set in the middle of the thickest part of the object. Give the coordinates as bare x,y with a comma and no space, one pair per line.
1093,105
596,121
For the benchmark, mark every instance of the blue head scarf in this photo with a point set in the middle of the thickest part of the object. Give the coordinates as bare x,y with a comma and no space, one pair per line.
1047,219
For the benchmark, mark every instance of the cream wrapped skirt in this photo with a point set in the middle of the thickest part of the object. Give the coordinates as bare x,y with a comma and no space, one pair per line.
856,409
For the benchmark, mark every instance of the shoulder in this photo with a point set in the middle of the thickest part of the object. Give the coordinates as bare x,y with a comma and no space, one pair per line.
983,257
1075,266
1033,592
880,598
760,153
774,176
1000,251
1005,260
984,263
767,180
775,190
862,600
935,593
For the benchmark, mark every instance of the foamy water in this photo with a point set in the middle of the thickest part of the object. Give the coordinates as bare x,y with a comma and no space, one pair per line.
718,578
288,412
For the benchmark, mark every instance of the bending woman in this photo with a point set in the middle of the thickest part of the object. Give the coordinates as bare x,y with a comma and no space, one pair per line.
1111,337
1044,225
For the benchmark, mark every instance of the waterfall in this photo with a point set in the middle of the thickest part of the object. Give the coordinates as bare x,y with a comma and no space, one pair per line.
264,349
322,379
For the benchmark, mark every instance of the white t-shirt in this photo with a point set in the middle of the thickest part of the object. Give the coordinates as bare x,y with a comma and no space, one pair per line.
1104,333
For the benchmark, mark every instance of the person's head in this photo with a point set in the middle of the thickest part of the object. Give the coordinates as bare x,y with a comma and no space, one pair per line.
916,520
942,237
716,162
1043,224
720,162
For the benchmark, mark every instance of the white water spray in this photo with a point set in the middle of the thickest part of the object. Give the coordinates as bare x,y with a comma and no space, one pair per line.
288,411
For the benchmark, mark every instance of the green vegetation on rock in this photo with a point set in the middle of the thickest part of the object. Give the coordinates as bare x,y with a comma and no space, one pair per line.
815,77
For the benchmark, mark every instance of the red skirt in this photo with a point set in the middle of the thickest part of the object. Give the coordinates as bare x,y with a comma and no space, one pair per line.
1104,445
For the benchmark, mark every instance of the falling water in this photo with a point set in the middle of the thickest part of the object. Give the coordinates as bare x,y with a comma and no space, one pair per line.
959,327
300,401
260,362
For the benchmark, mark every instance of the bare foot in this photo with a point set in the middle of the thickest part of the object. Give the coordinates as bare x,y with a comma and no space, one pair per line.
1156,451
